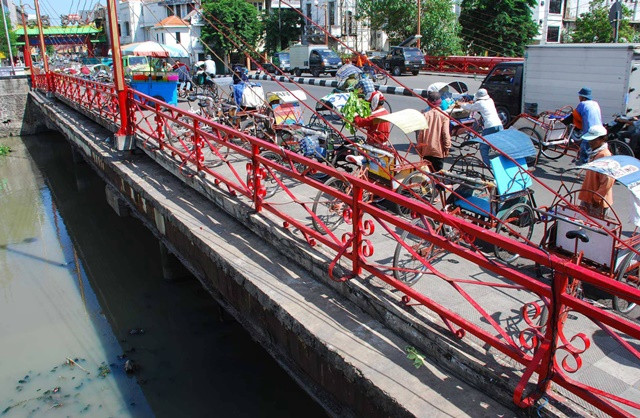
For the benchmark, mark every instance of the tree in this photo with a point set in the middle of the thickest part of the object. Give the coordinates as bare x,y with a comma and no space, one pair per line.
4,48
594,25
234,26
501,28
284,28
399,19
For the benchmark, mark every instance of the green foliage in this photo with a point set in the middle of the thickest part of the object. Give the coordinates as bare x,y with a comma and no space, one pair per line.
498,28
355,106
399,18
13,38
414,355
284,28
594,25
4,150
241,19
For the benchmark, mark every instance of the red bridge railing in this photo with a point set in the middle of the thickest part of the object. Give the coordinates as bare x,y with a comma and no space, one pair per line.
464,64
547,353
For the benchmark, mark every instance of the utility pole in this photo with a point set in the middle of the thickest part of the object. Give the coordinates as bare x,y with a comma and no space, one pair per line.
43,49
279,25
419,17
122,137
6,32
27,46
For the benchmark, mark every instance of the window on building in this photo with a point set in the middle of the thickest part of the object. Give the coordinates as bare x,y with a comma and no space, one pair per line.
119,30
177,37
555,6
553,34
309,10
349,27
332,13
127,29
170,11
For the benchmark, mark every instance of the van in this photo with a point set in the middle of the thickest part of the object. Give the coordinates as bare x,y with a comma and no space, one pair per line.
314,59
404,59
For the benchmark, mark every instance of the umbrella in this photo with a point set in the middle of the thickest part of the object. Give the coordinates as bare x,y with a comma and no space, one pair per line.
408,120
347,70
152,49
456,85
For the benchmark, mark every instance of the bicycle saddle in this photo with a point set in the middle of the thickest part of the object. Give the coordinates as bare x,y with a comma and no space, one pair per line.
579,234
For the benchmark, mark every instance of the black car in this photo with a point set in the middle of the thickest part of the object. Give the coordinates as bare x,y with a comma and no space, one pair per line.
280,60
403,59
376,57
504,85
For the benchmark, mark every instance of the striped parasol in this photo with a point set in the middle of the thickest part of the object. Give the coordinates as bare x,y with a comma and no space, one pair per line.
153,49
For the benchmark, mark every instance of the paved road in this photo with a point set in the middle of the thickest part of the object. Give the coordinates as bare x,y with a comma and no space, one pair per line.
606,365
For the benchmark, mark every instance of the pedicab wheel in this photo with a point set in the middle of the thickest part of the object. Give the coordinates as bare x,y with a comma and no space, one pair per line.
381,79
535,137
618,147
415,185
269,181
516,222
387,106
329,209
406,267
627,272
552,151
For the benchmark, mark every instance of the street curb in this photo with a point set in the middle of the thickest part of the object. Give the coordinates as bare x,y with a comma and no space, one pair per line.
399,91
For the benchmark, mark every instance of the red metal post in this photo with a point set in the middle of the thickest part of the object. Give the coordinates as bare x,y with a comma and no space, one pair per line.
43,49
90,53
27,46
118,70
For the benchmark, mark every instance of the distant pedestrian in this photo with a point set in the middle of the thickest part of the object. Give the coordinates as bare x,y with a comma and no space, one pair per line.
210,66
435,141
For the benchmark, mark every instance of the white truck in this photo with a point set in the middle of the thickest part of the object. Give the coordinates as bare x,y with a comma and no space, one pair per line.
314,59
551,75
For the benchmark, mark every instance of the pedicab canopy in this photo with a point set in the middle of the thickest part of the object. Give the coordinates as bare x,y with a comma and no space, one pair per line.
409,120
624,170
511,142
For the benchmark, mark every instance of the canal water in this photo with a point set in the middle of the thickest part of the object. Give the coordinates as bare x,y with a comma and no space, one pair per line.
82,293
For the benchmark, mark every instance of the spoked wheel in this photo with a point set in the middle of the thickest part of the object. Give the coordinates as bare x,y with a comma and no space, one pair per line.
381,79
179,132
628,272
469,165
517,223
415,185
330,209
387,106
270,183
550,151
407,267
535,138
618,147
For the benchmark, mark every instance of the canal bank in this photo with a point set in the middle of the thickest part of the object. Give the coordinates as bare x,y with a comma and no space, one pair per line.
79,282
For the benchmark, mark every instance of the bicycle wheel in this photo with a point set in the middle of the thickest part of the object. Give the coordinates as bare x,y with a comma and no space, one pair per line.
330,209
419,184
406,267
551,151
382,79
387,106
178,134
618,147
517,223
628,272
535,137
269,182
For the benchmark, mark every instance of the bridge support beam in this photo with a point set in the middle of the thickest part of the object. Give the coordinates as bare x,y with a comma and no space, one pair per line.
172,269
115,201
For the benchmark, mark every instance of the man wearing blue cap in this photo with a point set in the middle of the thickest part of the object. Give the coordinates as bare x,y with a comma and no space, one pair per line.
589,110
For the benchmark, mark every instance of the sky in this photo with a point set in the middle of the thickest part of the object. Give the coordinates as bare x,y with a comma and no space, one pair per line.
55,8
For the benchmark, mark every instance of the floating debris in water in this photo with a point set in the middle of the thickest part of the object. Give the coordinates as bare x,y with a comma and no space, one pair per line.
19,388
130,367
103,370
136,331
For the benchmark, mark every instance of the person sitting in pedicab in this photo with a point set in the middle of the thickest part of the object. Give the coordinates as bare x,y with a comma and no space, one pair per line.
377,130
348,84
596,193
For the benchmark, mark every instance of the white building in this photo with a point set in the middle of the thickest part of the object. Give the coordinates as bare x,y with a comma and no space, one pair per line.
338,18
169,22
557,17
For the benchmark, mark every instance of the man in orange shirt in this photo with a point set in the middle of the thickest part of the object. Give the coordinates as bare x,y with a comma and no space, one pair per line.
435,141
595,194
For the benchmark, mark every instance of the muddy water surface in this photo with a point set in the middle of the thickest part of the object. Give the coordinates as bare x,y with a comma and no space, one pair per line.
81,293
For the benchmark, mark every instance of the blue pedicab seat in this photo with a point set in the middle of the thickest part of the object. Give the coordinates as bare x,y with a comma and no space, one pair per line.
510,180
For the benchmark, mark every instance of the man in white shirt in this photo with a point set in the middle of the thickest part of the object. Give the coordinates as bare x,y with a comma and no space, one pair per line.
484,105
210,66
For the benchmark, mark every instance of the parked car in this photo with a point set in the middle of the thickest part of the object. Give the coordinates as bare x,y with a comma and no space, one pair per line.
279,60
403,59
314,59
377,57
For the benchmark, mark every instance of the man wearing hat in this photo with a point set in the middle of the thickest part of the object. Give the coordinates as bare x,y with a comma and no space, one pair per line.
589,112
435,141
484,105
595,194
